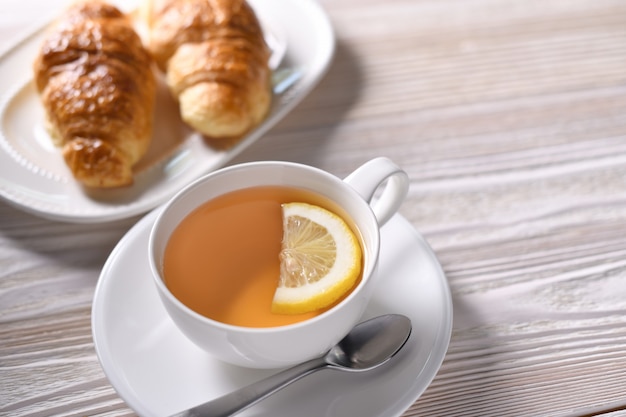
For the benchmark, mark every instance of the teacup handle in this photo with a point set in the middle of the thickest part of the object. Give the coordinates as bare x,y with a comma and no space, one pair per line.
370,176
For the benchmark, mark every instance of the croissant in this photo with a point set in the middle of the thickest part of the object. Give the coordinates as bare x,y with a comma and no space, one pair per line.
216,62
97,86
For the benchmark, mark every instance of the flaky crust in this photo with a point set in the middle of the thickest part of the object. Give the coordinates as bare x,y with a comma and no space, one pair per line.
98,88
216,62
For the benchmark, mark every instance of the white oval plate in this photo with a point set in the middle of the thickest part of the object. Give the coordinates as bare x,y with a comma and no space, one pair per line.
158,371
34,177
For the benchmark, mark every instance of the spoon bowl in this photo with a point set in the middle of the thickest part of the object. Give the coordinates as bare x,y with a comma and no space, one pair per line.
370,344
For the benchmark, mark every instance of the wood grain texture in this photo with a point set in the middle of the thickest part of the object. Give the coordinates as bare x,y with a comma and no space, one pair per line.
510,118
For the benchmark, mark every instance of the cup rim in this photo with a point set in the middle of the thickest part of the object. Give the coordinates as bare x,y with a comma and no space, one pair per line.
189,188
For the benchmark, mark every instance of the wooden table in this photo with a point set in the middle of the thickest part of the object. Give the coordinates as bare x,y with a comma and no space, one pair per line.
510,118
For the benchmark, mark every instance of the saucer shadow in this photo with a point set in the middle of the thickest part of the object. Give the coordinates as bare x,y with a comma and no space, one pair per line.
304,133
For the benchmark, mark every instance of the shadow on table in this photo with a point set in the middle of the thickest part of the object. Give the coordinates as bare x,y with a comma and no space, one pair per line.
82,246
303,135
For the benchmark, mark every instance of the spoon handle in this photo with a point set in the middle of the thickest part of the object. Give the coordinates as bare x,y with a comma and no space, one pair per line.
236,401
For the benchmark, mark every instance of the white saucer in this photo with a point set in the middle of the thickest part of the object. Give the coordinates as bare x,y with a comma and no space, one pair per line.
158,371
34,177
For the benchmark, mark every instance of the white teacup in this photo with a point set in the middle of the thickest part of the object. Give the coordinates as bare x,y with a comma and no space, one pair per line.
273,347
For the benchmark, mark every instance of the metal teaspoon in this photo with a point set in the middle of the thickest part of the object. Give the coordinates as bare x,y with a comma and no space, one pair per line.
368,345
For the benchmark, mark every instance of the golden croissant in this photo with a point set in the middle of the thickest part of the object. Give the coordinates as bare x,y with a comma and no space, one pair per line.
216,62
97,85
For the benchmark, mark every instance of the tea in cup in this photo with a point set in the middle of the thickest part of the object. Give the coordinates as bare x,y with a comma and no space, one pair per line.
214,255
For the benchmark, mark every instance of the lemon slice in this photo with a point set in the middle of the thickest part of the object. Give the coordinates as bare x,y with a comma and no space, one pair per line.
320,259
